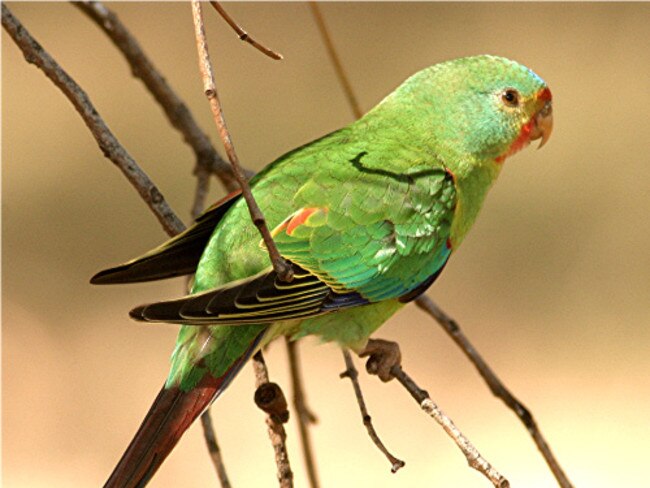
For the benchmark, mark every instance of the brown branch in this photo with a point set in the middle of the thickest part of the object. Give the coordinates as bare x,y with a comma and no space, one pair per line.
443,319
107,142
279,265
213,448
352,373
496,386
334,58
174,108
243,35
274,419
304,415
474,458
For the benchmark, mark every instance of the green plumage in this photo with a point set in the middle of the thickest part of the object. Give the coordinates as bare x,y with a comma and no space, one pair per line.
368,215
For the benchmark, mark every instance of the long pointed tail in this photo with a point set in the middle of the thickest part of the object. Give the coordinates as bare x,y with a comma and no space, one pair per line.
172,412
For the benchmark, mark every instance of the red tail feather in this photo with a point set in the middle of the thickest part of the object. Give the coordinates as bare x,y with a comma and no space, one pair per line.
171,414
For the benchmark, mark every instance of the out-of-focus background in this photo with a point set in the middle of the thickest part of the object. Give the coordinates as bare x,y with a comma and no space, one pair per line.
552,284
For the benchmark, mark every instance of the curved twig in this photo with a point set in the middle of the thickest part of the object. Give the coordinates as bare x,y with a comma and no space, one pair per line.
352,373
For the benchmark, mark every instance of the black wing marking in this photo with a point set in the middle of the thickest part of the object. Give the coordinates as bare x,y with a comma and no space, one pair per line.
259,299
177,257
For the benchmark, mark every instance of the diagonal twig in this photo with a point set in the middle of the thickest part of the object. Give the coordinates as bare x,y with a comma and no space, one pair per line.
474,458
276,407
107,142
243,35
352,373
304,415
443,319
213,449
283,270
175,109
334,58
496,386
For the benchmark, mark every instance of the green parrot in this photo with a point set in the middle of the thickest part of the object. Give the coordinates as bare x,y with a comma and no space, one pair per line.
366,216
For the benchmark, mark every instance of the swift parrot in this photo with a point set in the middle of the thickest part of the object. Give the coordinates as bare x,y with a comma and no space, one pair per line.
366,216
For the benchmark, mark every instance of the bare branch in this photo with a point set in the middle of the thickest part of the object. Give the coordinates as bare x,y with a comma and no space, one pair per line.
243,35
334,58
279,265
213,448
474,458
274,420
443,319
107,142
303,414
175,109
352,373
496,386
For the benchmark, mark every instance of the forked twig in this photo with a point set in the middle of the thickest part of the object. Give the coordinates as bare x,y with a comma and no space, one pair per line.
304,415
174,108
107,142
352,373
279,265
449,324
496,386
277,414
243,35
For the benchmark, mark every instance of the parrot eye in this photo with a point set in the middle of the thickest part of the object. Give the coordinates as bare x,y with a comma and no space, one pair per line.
510,97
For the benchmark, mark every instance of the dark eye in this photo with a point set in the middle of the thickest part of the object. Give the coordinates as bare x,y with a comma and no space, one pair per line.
510,97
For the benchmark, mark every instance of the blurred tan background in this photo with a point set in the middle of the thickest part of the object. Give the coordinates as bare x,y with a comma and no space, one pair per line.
552,285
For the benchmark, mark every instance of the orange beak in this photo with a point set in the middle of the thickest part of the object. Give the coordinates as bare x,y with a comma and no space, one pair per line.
543,119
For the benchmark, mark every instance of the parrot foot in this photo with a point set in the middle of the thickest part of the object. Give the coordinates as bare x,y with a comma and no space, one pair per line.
382,356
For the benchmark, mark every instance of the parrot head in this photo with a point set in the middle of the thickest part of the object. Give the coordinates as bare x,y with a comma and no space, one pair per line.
485,106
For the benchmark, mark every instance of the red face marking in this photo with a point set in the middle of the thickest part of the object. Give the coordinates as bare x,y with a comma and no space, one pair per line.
545,95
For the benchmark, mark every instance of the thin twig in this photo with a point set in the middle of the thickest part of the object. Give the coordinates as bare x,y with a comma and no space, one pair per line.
175,109
304,414
474,458
283,270
277,433
213,448
243,35
352,373
107,142
496,386
201,191
443,319
334,57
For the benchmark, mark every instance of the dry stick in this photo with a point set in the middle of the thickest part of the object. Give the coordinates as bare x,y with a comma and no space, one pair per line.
207,159
283,271
213,448
107,142
496,386
243,35
474,458
276,430
304,414
274,421
175,109
352,373
111,148
334,57
449,324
